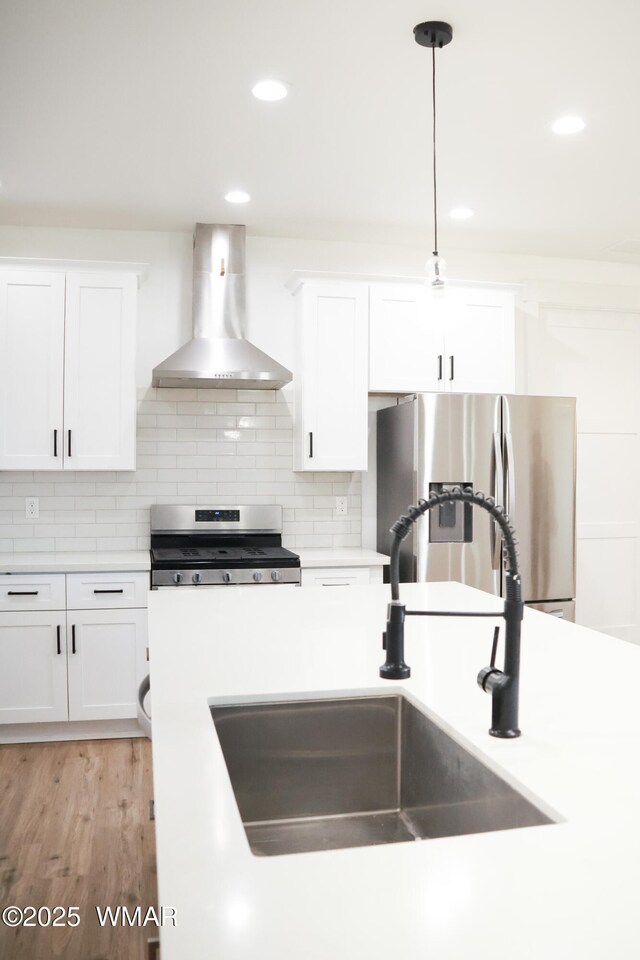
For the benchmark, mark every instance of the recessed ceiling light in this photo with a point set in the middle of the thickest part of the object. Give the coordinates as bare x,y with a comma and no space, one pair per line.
461,213
237,196
564,125
269,90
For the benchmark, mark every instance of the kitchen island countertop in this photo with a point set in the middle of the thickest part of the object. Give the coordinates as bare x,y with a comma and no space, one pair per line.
568,891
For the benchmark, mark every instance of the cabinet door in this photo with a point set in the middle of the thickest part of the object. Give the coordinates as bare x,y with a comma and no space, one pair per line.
33,667
31,370
331,377
406,345
479,341
99,388
106,656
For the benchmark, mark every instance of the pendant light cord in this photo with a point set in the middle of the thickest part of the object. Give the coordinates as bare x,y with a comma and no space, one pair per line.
435,203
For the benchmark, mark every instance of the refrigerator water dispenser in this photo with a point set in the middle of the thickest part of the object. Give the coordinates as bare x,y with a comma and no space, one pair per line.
451,522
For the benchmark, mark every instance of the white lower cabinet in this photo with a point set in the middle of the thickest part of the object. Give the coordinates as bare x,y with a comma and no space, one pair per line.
340,576
73,664
33,667
106,656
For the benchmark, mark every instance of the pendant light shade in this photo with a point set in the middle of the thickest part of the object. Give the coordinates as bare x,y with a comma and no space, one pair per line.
434,34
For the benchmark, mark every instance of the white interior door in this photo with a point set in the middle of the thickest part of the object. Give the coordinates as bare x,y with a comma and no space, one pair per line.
99,393
31,370
592,354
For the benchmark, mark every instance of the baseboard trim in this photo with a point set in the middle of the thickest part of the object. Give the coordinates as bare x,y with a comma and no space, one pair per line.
70,730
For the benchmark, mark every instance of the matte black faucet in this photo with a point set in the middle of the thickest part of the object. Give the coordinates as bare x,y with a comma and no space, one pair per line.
503,685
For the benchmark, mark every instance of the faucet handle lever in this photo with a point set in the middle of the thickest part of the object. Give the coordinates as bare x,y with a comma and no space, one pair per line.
494,646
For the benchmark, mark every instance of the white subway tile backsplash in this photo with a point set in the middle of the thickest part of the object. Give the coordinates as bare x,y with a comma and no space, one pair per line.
210,393
156,407
194,446
67,544
169,393
165,420
247,409
34,546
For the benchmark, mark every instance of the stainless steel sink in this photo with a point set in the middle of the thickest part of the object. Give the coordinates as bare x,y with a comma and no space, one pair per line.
328,773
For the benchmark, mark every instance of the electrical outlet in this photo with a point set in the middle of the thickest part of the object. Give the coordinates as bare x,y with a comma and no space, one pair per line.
31,508
341,506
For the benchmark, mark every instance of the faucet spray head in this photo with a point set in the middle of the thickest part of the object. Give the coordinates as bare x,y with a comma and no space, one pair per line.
394,667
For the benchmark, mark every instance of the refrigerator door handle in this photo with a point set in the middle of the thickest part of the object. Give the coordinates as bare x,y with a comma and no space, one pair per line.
510,471
498,490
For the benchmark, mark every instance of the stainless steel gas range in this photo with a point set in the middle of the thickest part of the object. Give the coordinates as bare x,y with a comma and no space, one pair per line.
220,546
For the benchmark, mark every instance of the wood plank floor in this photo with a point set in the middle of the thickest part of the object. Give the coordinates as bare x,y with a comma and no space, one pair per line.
75,832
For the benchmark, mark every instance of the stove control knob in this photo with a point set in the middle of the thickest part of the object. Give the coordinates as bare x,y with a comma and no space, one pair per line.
226,576
257,576
276,575
177,578
197,578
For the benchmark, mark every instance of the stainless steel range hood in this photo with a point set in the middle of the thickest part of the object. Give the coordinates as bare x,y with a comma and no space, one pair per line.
218,355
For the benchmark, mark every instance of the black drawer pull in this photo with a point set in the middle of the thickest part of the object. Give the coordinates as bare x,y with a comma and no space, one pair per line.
55,443
109,591
73,638
22,593
58,640
69,454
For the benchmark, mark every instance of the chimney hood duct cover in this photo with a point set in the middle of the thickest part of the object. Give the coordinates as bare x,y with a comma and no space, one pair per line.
218,355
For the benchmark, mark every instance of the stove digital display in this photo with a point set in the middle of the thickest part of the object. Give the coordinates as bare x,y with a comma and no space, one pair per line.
221,516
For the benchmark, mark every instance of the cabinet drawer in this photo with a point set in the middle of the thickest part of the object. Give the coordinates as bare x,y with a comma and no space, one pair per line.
335,576
24,591
87,591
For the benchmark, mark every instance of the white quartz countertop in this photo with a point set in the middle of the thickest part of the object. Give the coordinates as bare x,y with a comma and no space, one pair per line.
340,557
106,561
568,891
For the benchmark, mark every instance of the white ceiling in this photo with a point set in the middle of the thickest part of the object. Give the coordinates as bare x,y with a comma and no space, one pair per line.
137,114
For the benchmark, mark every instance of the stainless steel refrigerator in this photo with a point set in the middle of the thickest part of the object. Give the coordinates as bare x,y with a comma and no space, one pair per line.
520,450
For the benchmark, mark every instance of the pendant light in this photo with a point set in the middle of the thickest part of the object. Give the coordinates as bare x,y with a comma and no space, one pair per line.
434,34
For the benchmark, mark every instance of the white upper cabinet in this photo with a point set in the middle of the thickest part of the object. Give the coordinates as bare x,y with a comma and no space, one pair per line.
31,370
67,355
479,340
99,387
460,341
406,343
331,374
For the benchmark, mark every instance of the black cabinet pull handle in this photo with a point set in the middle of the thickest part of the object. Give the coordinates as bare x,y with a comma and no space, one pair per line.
73,638
58,640
439,366
22,593
310,444
109,591
55,443
451,368
69,445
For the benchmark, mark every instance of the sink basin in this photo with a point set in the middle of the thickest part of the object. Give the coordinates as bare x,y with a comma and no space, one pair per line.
320,774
